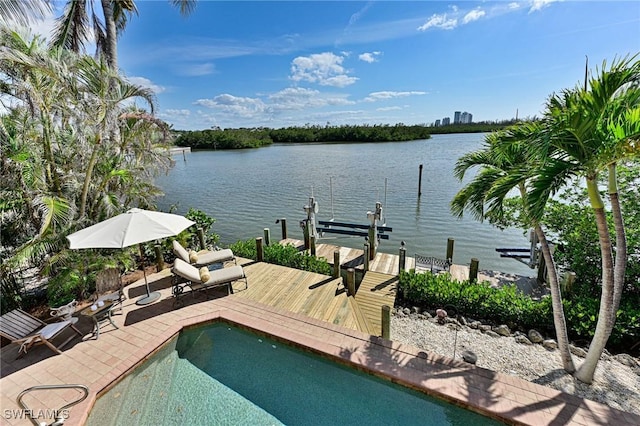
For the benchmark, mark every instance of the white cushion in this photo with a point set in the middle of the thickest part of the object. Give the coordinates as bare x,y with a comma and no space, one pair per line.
51,330
215,256
180,251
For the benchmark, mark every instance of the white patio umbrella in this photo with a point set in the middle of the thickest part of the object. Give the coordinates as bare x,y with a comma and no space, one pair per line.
133,227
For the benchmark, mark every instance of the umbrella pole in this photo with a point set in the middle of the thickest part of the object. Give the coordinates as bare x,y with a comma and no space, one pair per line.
150,297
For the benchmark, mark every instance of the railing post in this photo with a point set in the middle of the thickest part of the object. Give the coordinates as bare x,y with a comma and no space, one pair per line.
267,237
203,246
159,257
283,225
366,257
336,264
351,282
312,243
386,322
473,270
449,257
402,259
259,250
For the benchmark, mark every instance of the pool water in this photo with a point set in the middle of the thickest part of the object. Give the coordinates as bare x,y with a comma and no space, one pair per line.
219,374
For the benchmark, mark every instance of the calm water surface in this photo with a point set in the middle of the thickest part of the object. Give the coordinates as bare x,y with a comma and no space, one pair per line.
247,190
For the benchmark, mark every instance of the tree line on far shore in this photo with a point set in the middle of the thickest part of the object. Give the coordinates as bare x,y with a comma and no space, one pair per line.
261,136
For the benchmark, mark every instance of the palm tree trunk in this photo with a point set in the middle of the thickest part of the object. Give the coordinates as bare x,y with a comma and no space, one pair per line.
606,313
111,33
621,243
87,179
556,300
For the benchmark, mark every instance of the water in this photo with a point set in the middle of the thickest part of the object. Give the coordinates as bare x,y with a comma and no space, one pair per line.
300,388
247,190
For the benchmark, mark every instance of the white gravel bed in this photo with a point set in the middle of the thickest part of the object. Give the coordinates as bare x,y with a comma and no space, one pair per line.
615,384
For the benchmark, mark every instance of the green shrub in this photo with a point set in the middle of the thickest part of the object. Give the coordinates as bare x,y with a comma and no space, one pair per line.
65,287
283,255
479,300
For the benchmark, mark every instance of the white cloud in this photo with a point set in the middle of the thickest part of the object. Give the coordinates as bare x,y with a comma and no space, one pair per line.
323,68
242,106
297,98
474,15
514,5
439,21
386,109
378,96
540,4
369,56
145,82
197,69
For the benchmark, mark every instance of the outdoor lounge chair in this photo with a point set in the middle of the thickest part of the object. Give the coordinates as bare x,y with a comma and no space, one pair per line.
20,327
217,278
206,258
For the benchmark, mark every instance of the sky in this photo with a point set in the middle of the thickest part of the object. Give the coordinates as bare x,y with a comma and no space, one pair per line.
295,63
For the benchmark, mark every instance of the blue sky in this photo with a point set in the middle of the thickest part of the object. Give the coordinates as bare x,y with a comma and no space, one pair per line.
275,64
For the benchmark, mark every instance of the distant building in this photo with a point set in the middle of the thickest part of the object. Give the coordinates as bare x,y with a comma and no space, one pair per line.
466,118
437,123
456,117
446,121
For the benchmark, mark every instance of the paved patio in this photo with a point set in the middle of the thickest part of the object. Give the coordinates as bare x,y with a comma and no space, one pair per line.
142,329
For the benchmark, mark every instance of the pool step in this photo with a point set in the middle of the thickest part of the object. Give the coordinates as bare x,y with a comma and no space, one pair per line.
197,399
128,402
168,390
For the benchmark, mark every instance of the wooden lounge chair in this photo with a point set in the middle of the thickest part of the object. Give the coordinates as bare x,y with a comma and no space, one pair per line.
205,258
28,330
217,278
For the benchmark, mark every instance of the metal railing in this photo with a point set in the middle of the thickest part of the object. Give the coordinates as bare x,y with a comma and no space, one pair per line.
60,413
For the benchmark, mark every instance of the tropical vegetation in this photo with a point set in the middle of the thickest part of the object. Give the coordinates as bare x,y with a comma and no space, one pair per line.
584,132
75,150
218,138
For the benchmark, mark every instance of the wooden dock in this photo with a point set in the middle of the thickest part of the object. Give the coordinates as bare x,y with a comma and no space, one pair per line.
325,298
307,293
354,258
319,296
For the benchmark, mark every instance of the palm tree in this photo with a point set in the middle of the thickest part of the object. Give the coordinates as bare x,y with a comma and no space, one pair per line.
587,132
505,164
72,30
23,12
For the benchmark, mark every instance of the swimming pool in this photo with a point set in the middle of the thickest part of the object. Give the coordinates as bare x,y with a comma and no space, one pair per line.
221,374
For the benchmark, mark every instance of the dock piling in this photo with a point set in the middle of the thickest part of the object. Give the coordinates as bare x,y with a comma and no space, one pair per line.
201,239
402,259
336,264
450,242
312,243
259,250
267,237
386,322
283,226
365,256
420,181
351,282
473,270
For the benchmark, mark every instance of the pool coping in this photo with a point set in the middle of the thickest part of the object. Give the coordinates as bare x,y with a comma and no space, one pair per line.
496,395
